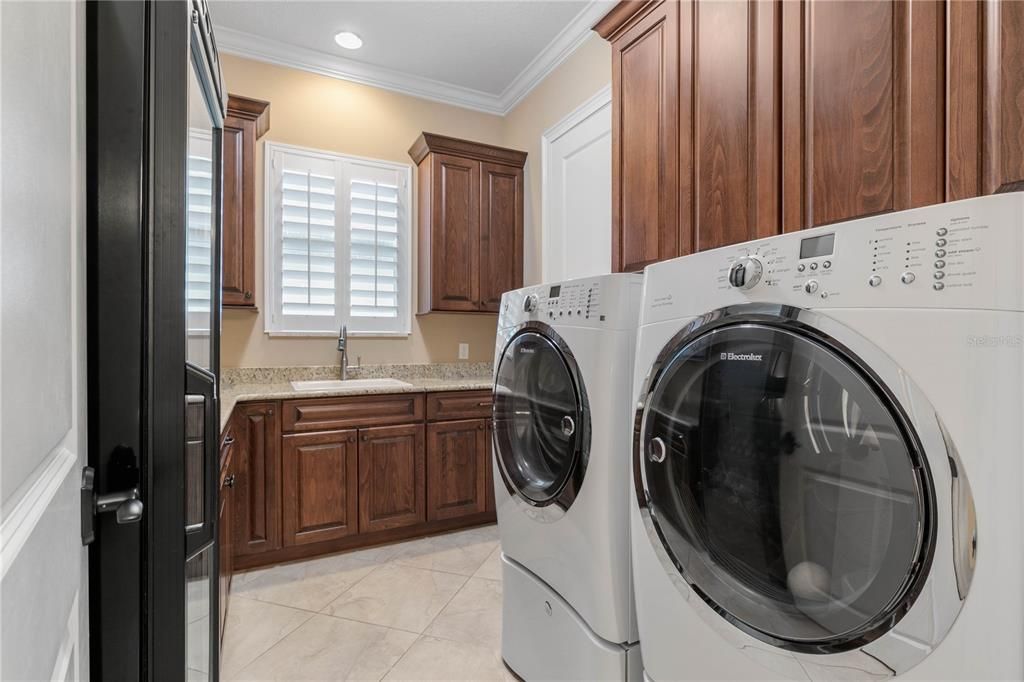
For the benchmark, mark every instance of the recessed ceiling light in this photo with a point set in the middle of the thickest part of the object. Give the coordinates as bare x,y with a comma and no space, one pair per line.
348,40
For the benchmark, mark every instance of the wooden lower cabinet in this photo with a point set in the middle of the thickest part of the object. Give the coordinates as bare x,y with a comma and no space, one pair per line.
366,481
320,480
457,469
225,522
392,483
257,524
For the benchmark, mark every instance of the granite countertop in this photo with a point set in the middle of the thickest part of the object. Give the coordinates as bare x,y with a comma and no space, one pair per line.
274,383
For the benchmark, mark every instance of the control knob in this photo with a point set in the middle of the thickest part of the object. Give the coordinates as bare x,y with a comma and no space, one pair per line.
530,303
745,273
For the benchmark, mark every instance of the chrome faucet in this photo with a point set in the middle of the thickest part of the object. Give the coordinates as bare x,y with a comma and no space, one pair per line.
343,349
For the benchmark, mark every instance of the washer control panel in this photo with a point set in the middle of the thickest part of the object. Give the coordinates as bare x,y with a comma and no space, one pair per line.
966,254
576,299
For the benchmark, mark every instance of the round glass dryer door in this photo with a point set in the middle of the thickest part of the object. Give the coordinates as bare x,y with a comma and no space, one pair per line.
538,420
784,488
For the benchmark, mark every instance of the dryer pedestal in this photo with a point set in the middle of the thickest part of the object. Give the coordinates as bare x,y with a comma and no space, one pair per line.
542,637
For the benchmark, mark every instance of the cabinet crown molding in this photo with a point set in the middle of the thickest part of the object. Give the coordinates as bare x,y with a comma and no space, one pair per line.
427,143
250,109
622,15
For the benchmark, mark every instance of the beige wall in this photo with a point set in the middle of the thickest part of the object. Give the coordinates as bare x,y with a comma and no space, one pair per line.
575,81
326,113
335,115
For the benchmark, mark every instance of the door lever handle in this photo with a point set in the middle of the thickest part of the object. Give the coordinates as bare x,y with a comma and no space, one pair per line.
125,504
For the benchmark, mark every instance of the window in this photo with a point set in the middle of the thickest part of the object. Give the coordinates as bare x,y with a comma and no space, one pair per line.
338,244
199,245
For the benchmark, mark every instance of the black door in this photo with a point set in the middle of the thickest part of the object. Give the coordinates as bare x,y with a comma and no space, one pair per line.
786,486
541,423
154,213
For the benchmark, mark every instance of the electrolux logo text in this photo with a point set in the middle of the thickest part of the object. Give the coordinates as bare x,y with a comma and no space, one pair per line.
748,357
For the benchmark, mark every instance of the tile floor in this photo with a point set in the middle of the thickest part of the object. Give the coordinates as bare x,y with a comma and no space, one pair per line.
427,609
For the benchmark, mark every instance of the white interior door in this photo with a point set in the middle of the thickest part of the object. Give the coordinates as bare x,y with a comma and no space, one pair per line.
576,234
43,624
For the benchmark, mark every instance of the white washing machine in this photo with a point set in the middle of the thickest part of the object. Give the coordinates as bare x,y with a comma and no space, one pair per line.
562,410
828,461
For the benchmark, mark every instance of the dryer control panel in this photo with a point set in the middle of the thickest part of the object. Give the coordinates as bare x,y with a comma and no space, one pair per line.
608,301
965,254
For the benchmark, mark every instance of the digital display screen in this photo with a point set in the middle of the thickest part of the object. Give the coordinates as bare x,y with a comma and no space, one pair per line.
555,291
812,247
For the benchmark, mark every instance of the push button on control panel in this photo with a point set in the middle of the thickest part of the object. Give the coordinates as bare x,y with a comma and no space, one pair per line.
811,286
942,232
940,253
908,277
874,280
939,264
940,242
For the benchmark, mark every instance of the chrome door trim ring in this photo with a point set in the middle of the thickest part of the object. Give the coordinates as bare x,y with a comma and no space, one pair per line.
554,508
935,573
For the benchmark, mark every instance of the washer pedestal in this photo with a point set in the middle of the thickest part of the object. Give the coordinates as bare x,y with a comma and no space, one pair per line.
542,637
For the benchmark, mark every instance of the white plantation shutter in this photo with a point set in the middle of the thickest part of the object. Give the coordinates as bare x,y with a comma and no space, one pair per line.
375,239
308,272
199,242
338,244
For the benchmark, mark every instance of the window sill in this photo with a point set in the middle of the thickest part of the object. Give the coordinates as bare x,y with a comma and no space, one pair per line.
334,335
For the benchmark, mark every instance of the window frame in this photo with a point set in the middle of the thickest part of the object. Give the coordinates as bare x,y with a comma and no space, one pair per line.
275,323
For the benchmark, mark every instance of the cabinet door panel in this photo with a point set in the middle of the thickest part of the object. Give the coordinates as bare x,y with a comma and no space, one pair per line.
392,477
862,119
456,469
239,205
455,233
734,138
257,466
320,474
985,98
645,134
501,232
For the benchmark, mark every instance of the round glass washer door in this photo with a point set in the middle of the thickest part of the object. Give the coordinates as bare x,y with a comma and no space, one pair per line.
539,420
783,486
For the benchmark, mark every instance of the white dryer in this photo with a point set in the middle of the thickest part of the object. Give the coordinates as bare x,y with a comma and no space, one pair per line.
562,410
829,457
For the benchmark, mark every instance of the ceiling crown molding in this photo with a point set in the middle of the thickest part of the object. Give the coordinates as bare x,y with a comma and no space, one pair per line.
283,54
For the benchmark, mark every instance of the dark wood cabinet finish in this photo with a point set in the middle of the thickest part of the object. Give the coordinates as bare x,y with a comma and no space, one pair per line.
455,256
225,523
862,114
645,137
322,414
320,477
450,405
501,233
985,87
247,120
257,469
392,477
803,113
729,124
456,469
470,223
354,471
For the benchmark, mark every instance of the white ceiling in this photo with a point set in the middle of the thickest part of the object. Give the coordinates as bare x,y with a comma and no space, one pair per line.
483,54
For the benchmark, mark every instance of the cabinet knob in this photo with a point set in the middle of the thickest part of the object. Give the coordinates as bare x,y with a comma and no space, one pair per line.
480,427
366,438
230,481
248,295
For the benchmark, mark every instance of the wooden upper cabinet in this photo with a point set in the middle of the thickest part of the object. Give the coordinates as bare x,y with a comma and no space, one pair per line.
247,120
470,223
256,463
729,122
392,477
321,486
501,232
985,109
645,133
862,123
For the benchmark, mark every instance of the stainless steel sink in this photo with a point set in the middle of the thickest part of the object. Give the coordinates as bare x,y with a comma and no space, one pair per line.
335,384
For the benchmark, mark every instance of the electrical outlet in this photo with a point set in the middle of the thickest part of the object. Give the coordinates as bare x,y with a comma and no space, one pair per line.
463,351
